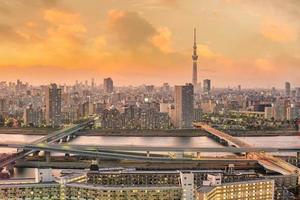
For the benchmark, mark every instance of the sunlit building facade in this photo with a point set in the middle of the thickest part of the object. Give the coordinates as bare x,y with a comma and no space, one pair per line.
255,189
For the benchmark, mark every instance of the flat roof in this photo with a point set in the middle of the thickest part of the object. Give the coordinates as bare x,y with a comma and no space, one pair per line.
205,189
101,187
155,172
28,185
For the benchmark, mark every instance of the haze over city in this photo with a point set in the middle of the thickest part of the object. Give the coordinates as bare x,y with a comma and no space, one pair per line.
149,99
252,43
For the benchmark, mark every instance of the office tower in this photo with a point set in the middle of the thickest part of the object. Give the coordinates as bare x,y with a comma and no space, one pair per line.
287,89
195,58
108,85
3,105
166,87
32,116
297,93
292,112
239,88
277,112
93,83
207,86
53,105
184,106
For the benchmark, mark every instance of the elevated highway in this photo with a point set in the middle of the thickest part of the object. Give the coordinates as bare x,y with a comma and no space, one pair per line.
266,160
51,138
149,148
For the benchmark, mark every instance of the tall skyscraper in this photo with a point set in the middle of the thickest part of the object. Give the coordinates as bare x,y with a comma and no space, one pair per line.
195,58
93,83
297,92
287,89
207,86
53,105
184,106
108,85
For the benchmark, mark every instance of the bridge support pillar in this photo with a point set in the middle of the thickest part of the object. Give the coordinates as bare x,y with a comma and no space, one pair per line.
48,156
148,154
36,153
98,161
10,168
179,154
198,155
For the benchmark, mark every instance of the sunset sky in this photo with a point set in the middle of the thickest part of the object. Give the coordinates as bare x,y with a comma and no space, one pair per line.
255,43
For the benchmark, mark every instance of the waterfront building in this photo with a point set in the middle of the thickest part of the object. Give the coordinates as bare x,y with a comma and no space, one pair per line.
88,191
166,177
53,105
255,189
32,116
184,106
45,191
108,85
122,184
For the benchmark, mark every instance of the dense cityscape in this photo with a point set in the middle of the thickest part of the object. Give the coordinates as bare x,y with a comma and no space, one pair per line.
98,139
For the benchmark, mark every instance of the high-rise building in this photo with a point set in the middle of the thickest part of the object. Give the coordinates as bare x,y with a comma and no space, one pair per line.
93,83
297,92
207,86
3,105
184,105
32,116
292,112
287,89
53,105
108,85
195,58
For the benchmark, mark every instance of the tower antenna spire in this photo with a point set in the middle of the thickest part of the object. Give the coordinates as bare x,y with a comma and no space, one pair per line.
195,37
195,58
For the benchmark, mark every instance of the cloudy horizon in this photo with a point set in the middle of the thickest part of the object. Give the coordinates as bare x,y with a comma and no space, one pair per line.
252,43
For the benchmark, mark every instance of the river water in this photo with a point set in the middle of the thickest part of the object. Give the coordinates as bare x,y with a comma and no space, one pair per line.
274,141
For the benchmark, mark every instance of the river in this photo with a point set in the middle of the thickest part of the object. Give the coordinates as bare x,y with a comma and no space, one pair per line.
274,141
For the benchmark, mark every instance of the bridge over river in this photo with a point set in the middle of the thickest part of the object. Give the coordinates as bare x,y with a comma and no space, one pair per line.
266,160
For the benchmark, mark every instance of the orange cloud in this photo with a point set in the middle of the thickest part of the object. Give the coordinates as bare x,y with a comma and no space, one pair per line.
163,40
264,65
206,52
279,31
59,16
129,29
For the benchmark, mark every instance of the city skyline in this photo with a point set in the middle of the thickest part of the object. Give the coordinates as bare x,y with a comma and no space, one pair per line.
131,41
151,99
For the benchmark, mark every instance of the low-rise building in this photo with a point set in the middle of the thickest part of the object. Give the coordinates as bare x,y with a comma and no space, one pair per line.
253,189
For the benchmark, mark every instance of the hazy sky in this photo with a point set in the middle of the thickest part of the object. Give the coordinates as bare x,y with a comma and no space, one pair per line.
247,42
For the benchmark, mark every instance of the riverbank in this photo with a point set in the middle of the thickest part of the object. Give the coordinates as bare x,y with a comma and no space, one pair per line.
257,133
148,133
27,131
145,133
